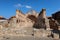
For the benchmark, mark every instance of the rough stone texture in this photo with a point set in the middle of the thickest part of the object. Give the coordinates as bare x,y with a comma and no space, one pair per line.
5,37
20,24
42,21
30,24
42,33
58,27
56,36
56,15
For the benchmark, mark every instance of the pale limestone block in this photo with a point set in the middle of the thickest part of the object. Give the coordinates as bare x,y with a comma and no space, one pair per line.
58,27
56,36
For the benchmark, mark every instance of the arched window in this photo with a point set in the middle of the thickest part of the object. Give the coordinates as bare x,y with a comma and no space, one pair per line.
17,21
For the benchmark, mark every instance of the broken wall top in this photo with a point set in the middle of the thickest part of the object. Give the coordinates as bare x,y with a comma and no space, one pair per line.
56,15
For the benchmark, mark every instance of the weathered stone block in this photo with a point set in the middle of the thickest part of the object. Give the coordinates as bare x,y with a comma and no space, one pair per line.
42,33
58,27
56,36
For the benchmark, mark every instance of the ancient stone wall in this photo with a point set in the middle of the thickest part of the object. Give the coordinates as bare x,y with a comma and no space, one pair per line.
42,20
29,24
56,16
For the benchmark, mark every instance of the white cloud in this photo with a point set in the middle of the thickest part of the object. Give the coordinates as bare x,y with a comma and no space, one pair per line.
20,5
28,6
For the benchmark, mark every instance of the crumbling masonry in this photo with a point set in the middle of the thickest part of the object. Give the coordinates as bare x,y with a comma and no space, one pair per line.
31,23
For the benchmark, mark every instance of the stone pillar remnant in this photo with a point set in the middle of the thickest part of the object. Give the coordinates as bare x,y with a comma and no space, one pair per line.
46,19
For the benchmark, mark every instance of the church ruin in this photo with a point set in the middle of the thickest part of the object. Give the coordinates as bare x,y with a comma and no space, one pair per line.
34,24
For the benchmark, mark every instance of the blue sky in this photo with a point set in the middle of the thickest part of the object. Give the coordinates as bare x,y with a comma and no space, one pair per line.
8,7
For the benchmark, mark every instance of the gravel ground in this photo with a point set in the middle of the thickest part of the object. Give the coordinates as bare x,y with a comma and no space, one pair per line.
22,38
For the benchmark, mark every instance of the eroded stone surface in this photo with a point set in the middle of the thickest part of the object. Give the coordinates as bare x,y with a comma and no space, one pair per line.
32,24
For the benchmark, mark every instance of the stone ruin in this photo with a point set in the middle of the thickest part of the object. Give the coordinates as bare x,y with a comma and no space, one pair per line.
31,24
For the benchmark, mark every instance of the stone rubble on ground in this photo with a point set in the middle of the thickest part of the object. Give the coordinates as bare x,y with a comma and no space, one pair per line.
31,24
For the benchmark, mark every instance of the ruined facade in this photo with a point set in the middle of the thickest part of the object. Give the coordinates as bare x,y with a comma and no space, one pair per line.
32,23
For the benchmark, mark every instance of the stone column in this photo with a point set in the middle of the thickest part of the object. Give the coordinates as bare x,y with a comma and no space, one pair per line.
44,13
47,24
17,13
46,19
